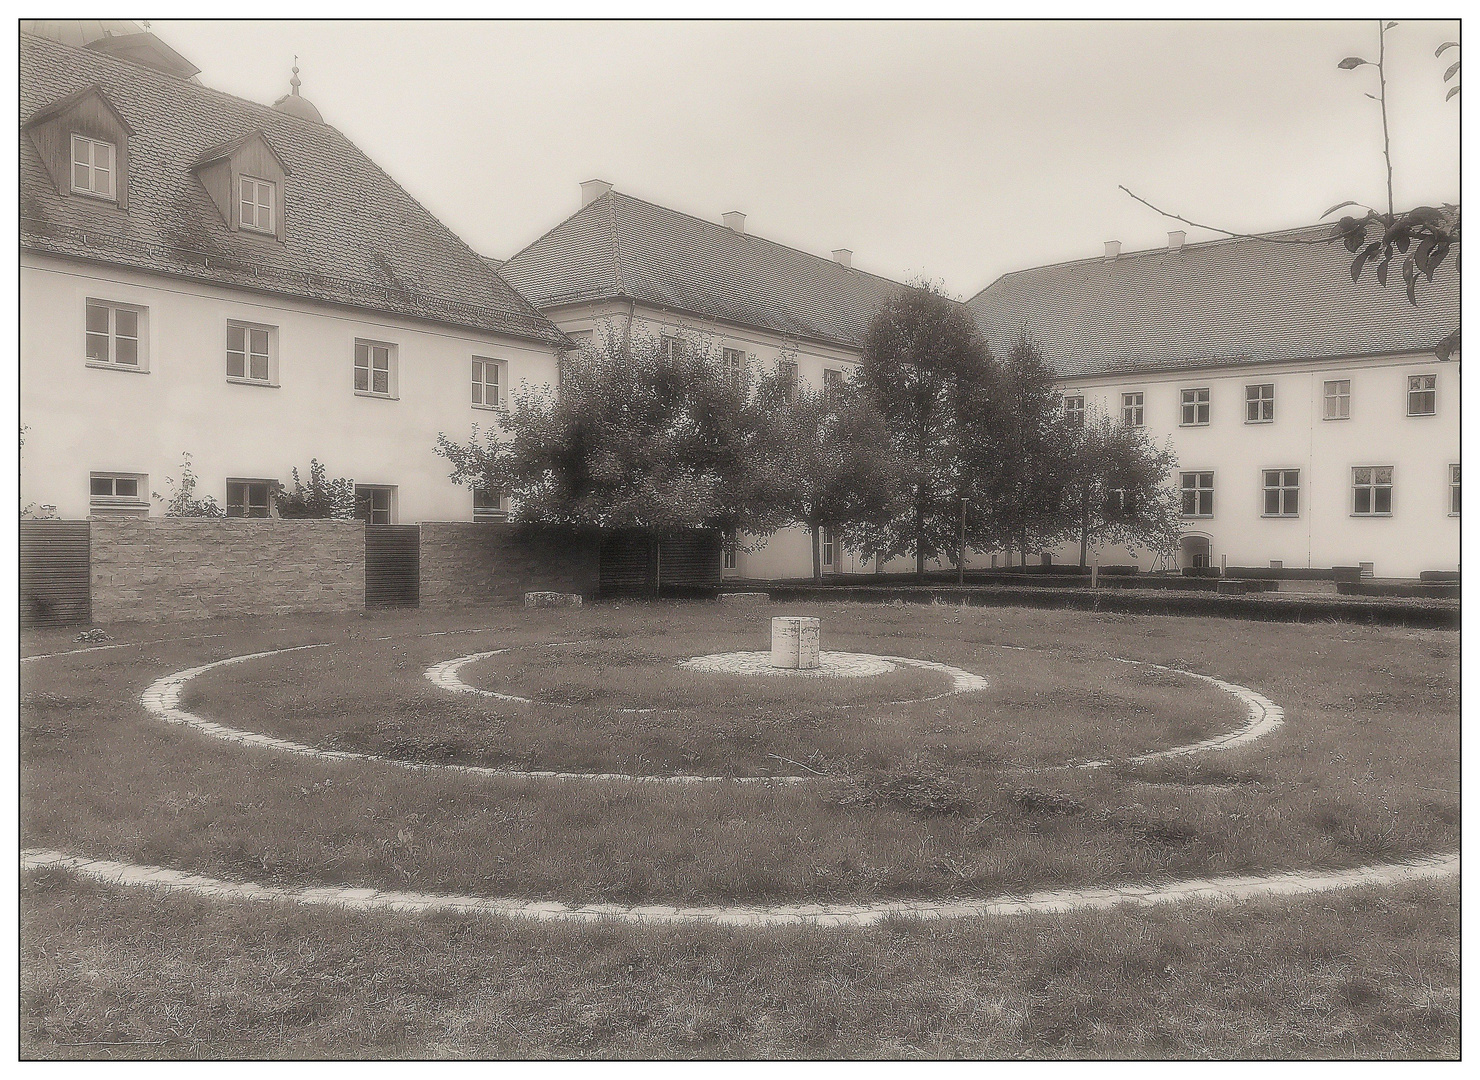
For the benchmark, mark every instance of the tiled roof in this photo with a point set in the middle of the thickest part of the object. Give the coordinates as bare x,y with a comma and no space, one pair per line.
354,236
621,247
1221,302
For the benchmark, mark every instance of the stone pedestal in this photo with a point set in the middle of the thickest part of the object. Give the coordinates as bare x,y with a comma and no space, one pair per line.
796,642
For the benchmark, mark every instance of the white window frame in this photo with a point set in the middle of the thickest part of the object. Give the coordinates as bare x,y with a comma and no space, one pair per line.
734,364
493,508
672,346
1133,409
248,352
479,386
790,378
258,208
829,545
248,503
1333,396
1197,489
1258,409
1285,490
832,382
1454,490
92,168
1202,405
1366,478
1428,386
375,492
371,347
110,502
140,337
1074,409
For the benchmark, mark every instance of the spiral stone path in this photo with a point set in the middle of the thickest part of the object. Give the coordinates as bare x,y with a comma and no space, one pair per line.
1212,889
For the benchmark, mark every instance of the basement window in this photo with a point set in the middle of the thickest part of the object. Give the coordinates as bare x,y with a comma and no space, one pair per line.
489,507
249,498
118,494
374,505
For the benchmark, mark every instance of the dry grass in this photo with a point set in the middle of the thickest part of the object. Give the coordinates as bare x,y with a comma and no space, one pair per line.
108,973
1366,769
372,698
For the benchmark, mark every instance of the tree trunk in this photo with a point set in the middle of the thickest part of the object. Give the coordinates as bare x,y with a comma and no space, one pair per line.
1084,528
920,540
961,547
817,554
654,564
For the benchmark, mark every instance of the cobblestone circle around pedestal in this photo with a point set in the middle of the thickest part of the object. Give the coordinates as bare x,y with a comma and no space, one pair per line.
831,665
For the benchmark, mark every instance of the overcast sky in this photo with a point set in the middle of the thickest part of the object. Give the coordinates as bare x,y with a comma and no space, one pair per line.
955,151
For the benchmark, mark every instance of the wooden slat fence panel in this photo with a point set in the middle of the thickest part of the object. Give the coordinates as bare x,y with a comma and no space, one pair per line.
392,565
56,570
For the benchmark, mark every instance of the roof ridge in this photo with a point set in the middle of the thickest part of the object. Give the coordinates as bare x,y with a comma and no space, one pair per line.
155,72
1144,252
753,236
610,196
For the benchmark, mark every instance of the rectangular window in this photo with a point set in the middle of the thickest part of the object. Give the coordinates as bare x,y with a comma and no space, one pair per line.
786,371
1133,410
1454,490
734,361
249,498
115,334
373,504
488,382
1372,491
829,548
257,204
249,352
1421,395
1259,403
1197,494
1338,400
93,169
832,383
673,348
1197,407
732,551
1281,492
1074,409
118,494
488,507
1119,502
375,368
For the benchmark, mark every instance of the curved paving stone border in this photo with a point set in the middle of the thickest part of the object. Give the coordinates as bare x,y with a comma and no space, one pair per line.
162,698
1215,890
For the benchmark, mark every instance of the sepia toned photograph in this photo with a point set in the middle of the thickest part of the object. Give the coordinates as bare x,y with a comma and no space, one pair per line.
738,539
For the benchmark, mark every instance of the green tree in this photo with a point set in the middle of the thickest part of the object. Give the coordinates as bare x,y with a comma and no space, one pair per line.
320,498
642,434
1120,484
924,366
838,469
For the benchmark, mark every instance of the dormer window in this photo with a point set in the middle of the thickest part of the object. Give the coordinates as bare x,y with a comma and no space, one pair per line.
94,167
257,204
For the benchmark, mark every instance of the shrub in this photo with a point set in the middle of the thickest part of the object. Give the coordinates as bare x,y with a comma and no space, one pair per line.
321,498
182,501
919,785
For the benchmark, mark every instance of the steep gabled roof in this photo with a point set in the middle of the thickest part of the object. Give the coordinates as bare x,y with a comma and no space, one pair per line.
620,247
354,236
1222,302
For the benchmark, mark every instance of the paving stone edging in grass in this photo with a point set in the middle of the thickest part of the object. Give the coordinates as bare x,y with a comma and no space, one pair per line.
1214,890
162,698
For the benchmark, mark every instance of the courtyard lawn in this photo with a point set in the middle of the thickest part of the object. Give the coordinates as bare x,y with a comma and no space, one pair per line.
1039,709
114,973
1365,769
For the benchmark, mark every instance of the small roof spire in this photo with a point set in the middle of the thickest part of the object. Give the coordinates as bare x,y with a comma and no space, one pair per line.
295,82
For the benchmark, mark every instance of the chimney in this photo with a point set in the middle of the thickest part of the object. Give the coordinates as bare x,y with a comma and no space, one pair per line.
843,257
1175,239
735,221
1112,250
591,190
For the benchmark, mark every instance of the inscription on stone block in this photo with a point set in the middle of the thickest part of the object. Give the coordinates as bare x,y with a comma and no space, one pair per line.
796,642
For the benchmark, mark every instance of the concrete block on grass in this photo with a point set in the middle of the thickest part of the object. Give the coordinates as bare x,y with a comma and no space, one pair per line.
551,599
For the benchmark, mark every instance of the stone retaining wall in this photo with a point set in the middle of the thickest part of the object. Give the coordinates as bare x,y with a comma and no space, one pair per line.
152,569
466,562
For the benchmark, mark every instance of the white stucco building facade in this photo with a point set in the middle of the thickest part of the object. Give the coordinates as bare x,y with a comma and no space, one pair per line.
208,276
